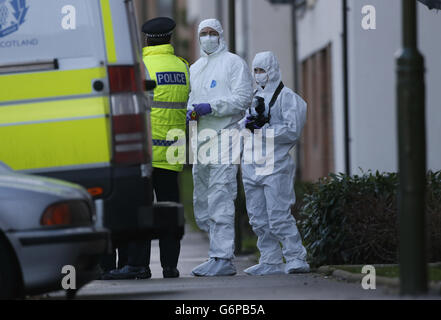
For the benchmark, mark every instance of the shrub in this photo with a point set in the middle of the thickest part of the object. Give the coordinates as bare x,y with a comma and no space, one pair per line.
353,219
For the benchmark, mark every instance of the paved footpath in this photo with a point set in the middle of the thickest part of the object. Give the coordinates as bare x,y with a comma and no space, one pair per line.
194,251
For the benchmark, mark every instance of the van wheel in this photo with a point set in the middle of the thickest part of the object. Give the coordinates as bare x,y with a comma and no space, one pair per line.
9,273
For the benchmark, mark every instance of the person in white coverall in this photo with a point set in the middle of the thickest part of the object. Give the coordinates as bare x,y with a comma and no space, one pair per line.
221,91
270,194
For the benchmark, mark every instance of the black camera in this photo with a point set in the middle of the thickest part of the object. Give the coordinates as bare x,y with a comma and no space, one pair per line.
260,119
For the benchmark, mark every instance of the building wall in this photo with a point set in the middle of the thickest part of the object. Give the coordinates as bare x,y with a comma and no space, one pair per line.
372,86
145,9
198,10
372,79
176,9
372,67
270,29
318,27
430,45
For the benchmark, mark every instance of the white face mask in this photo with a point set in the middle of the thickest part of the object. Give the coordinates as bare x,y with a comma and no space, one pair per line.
209,43
261,79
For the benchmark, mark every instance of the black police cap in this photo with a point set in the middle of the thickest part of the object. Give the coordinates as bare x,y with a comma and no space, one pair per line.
159,27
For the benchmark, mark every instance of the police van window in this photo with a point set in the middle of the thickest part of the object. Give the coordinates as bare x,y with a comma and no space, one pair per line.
67,30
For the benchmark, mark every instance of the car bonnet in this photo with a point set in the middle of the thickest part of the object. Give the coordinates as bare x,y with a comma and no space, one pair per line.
41,185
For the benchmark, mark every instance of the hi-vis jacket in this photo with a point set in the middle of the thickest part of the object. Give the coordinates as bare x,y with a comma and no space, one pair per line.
170,97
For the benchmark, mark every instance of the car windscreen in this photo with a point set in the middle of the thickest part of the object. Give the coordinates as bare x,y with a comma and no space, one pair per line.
66,31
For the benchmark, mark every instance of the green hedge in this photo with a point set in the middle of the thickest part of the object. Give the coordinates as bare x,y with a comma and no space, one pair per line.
353,219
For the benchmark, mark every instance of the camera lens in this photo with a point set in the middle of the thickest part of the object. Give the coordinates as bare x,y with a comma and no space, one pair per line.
260,107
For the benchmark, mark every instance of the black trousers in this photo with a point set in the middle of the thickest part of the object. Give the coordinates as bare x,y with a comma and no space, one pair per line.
166,187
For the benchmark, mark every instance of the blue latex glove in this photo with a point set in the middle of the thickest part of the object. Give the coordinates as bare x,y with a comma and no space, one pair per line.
251,124
202,109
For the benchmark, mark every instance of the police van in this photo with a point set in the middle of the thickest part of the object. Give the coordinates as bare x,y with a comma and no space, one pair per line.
73,106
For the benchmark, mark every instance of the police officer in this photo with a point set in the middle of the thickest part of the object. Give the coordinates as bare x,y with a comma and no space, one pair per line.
168,112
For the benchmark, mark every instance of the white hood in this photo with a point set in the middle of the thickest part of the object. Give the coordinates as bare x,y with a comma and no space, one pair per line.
267,61
216,25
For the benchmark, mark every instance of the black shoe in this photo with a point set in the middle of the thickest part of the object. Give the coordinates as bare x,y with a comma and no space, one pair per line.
128,272
170,272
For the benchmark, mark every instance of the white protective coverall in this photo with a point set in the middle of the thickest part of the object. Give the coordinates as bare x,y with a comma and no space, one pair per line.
269,196
223,80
